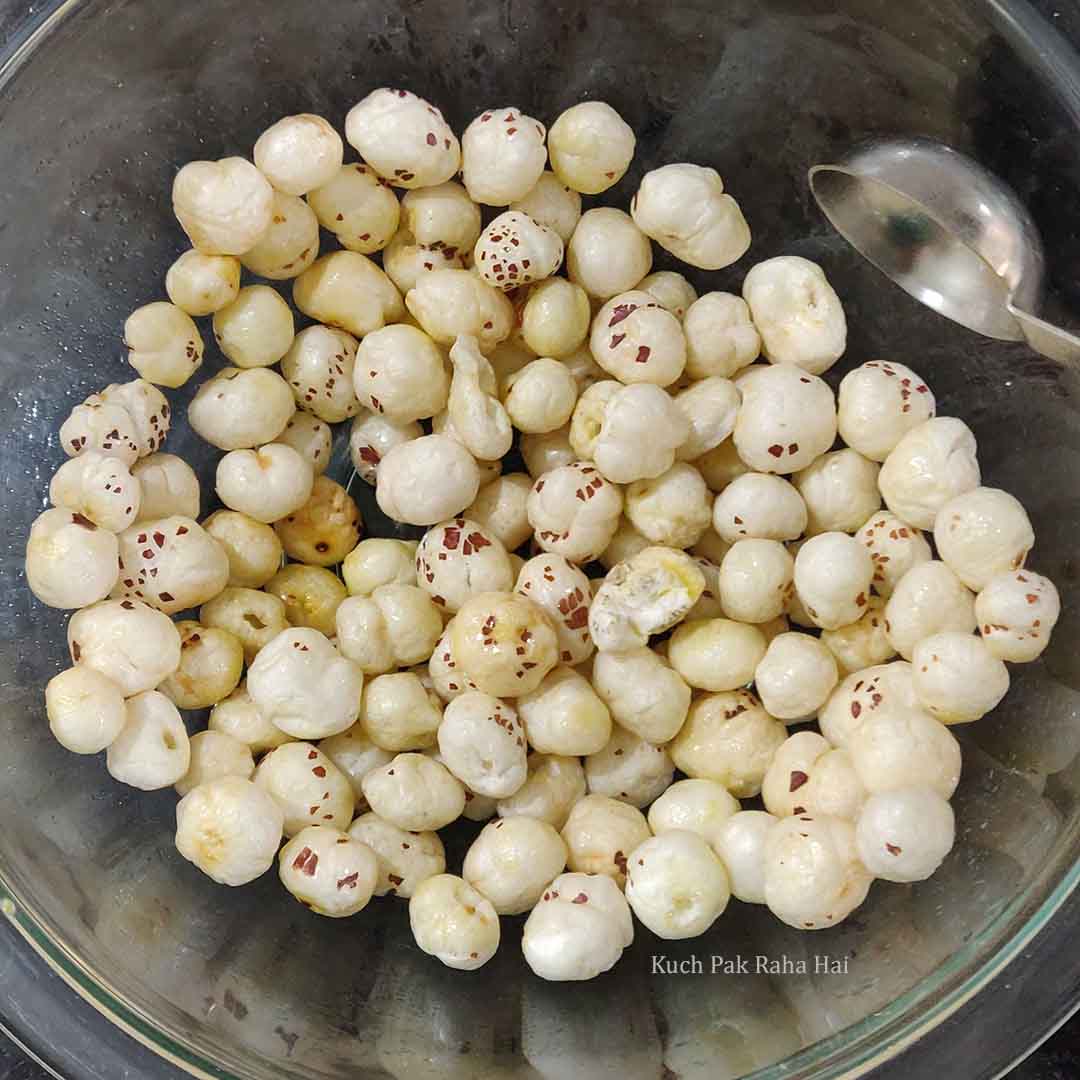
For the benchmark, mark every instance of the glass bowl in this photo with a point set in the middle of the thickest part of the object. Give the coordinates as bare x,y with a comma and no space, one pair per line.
100,100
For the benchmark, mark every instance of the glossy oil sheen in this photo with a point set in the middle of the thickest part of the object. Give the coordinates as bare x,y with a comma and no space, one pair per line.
103,108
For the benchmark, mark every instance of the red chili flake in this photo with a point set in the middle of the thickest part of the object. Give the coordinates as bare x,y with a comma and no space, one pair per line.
620,312
451,537
168,598
799,810
319,771
776,450
127,605
85,522
892,849
738,520
159,539
478,540
431,140
581,898
793,448
856,708
348,882
368,454
395,879
798,778
1031,598
306,862
312,755
642,354
860,600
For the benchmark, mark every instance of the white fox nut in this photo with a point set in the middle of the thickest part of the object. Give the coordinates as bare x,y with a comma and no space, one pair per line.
238,717
266,483
643,693
833,572
710,406
230,829
556,316
448,679
252,616
741,847
629,769
1016,613
879,689
152,750
70,561
589,414
904,835
640,433
542,453
353,752
957,678
541,396
303,685
759,506
328,871
214,755
319,368
591,146
450,303
481,741
795,677
514,250
211,663
358,207
299,153
223,206
426,480
608,254
553,785
927,600
512,861
457,559
238,409
311,438
403,138
562,590
797,313
898,748
500,508
578,930
453,922
148,409
729,738
164,344
894,549
635,340
86,710
168,486
399,712
809,776
172,564
676,885
840,491
553,204
600,833
415,792
400,374
645,596
98,425
878,404
564,715
379,561
307,785
755,581
671,290
625,544
311,595
441,216
787,420
502,156
372,437
813,876
982,533
574,511
325,529
126,641
716,654
252,548
721,338
397,626
291,243
405,859
406,262
699,806
930,465
478,419
863,643
673,509
504,643
685,210
202,284
347,290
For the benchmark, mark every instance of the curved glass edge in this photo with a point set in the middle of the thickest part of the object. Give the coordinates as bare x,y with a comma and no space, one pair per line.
24,1049
854,1052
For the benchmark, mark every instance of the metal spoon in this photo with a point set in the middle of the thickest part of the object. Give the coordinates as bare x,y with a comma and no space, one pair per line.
947,231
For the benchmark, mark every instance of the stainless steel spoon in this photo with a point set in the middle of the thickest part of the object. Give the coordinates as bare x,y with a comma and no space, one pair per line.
947,231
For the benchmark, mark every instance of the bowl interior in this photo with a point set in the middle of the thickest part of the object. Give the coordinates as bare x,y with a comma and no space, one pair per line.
96,113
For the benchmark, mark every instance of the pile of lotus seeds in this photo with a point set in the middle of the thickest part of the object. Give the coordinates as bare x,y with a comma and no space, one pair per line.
687,568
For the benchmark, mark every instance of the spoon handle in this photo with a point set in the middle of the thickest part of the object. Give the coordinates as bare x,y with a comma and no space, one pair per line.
1048,339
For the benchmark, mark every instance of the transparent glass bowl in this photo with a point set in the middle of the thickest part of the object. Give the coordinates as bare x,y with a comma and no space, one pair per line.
99,103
